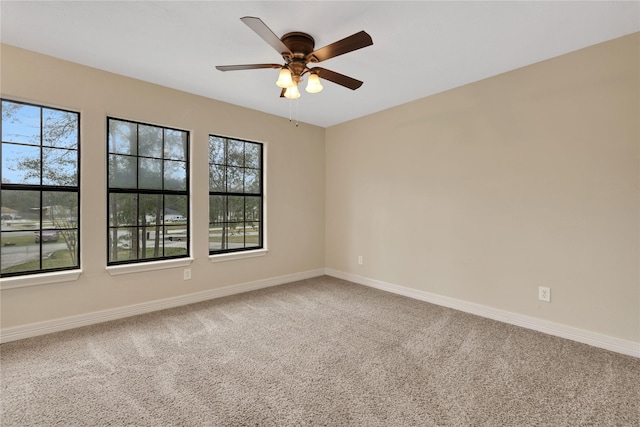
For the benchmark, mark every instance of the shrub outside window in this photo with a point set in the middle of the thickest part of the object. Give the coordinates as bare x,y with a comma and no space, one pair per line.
148,192
39,193
235,195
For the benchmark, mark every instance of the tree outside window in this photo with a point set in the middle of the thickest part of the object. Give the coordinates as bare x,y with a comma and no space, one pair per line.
235,195
39,193
148,194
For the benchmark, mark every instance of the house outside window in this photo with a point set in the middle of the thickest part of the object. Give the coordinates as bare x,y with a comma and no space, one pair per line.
39,191
148,192
236,194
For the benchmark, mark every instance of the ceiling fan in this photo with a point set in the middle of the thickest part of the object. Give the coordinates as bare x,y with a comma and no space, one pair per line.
297,50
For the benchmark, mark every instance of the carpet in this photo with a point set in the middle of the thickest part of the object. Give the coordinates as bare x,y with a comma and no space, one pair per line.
317,352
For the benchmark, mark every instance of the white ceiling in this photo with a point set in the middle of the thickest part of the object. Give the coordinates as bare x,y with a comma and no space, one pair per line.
420,47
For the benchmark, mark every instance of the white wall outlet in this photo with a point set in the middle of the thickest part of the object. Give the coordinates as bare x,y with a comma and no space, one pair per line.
544,293
187,274
360,259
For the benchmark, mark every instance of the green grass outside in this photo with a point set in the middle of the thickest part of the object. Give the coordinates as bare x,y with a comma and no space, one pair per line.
125,254
59,259
20,240
235,239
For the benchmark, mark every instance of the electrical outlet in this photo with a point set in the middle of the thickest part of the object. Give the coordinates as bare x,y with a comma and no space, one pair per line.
360,259
544,293
187,274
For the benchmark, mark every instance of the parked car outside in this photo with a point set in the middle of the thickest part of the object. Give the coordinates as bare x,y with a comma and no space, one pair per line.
47,236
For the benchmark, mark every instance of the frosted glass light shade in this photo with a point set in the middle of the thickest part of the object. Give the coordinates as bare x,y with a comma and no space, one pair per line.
284,79
292,92
313,84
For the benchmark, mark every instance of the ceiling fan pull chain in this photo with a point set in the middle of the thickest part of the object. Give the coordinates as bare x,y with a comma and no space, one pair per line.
290,111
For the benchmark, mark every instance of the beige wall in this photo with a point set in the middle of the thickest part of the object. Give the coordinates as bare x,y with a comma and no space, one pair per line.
482,193
295,189
485,192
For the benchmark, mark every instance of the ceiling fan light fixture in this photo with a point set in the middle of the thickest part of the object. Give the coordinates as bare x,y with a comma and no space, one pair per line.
313,84
292,92
297,50
284,79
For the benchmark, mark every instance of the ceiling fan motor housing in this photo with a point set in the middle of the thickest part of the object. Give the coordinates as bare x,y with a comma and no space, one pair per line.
301,45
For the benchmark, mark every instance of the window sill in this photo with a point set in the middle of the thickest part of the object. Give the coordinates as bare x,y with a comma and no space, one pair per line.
117,270
238,255
39,279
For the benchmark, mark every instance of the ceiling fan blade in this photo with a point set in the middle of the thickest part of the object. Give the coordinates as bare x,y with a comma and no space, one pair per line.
246,67
341,79
267,35
346,45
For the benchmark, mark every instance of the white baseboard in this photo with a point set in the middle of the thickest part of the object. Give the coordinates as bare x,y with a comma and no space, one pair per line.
630,348
71,322
606,342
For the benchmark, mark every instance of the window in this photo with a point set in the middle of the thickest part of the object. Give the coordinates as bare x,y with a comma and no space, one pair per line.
235,195
39,226
148,192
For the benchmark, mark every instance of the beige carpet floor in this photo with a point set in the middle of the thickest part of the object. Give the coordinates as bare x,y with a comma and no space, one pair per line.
319,352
